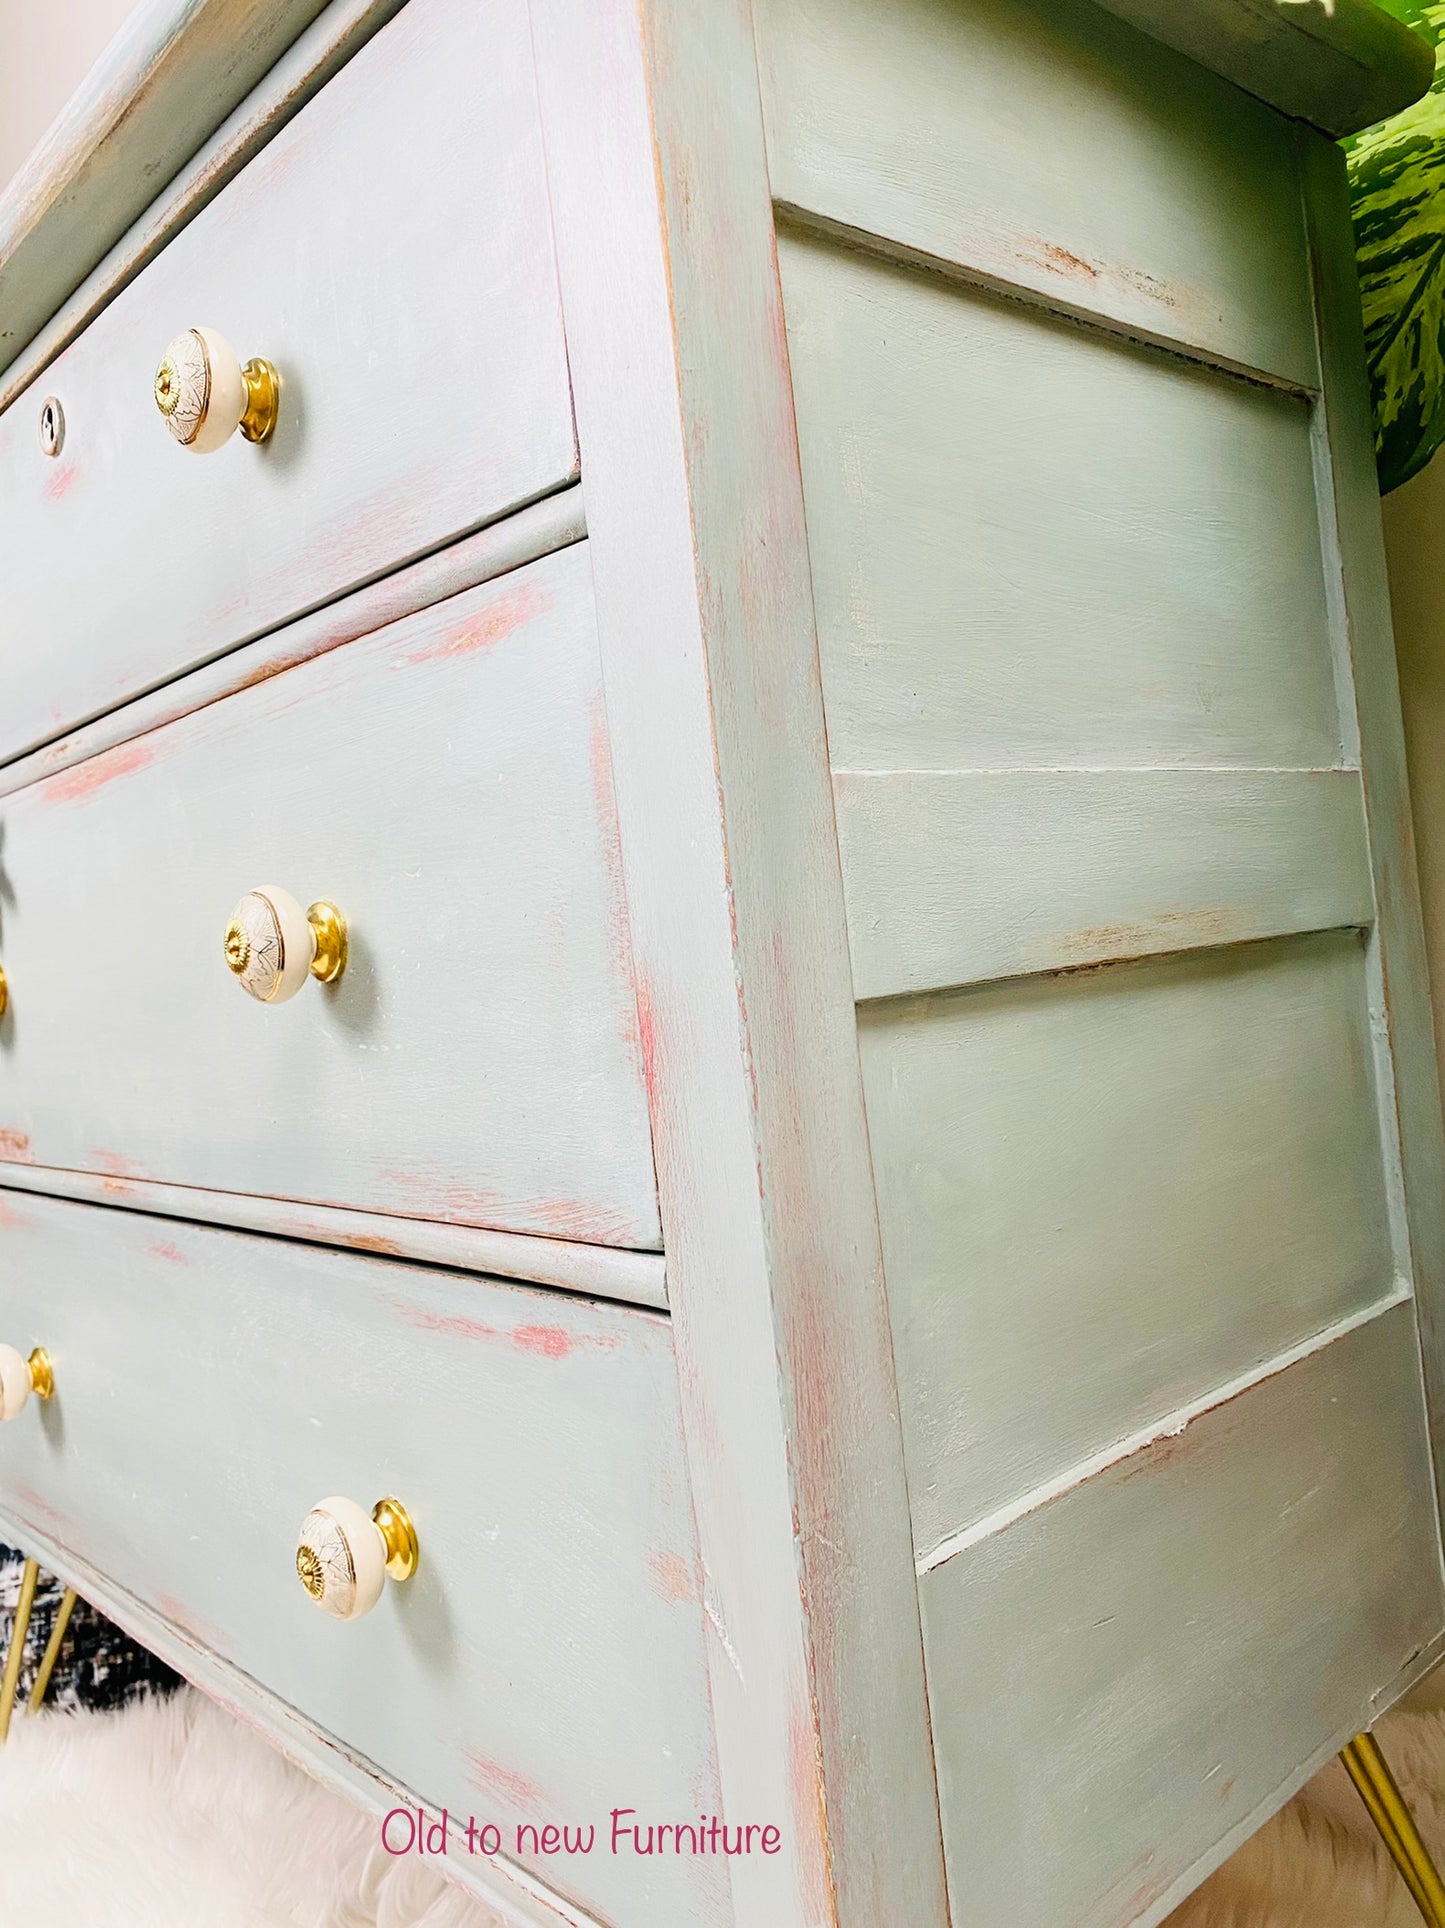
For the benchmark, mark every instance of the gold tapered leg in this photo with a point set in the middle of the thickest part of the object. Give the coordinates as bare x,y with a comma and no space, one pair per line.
11,1678
52,1650
1367,1768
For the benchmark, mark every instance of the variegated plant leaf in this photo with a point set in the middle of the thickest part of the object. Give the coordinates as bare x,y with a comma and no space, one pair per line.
1397,186
1397,179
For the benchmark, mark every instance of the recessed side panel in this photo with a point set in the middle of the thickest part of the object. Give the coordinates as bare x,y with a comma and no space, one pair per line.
1124,1676
1106,1194
1035,547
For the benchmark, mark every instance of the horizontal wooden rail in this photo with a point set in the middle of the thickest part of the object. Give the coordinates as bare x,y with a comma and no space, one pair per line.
957,877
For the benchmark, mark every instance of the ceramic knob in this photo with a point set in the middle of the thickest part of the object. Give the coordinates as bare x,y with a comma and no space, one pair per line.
205,394
19,1377
344,1554
273,946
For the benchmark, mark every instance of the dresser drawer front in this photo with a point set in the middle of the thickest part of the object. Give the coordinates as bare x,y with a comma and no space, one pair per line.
390,252
445,782
546,1662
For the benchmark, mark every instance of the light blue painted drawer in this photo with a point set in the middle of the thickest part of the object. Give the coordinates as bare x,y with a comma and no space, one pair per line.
446,782
544,1664
347,255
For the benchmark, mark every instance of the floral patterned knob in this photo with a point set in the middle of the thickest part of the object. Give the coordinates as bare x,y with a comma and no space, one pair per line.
19,1377
272,945
205,395
344,1554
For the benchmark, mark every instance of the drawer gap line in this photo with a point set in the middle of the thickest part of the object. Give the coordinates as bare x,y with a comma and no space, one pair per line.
524,536
614,1273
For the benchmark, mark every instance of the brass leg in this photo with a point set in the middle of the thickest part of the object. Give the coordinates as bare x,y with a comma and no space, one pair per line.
1366,1767
52,1650
11,1678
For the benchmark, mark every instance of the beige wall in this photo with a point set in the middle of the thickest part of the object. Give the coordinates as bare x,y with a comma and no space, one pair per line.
1415,544
46,49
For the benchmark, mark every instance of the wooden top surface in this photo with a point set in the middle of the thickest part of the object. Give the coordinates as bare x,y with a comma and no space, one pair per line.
1338,64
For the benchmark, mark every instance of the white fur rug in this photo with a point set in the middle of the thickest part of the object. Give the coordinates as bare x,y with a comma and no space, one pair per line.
169,1814
1319,1863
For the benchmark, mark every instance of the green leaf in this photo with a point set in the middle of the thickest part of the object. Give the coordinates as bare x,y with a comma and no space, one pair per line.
1397,183
1424,16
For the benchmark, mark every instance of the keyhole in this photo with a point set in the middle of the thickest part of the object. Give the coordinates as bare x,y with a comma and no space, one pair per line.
52,426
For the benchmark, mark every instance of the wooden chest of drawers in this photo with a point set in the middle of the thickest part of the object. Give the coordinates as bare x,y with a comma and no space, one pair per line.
798,590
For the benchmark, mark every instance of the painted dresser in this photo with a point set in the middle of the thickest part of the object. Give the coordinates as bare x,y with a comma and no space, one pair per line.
835,1120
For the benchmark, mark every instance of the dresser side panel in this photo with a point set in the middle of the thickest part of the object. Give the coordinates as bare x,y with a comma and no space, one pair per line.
1037,543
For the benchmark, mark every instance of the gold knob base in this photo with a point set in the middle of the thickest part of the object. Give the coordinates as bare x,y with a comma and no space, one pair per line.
42,1375
398,1535
263,399
328,927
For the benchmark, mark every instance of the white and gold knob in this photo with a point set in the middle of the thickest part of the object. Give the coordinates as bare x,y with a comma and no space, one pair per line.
273,946
344,1554
205,395
19,1377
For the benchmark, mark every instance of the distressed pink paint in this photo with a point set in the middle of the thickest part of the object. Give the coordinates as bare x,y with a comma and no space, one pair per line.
647,1041
42,1509
810,1813
172,1254
453,1324
181,1616
84,778
114,1164
564,1218
619,930
545,1341
673,1577
491,1777
551,1341
60,482
488,627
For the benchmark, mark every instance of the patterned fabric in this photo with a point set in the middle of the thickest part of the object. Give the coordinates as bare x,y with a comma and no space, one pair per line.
99,1666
